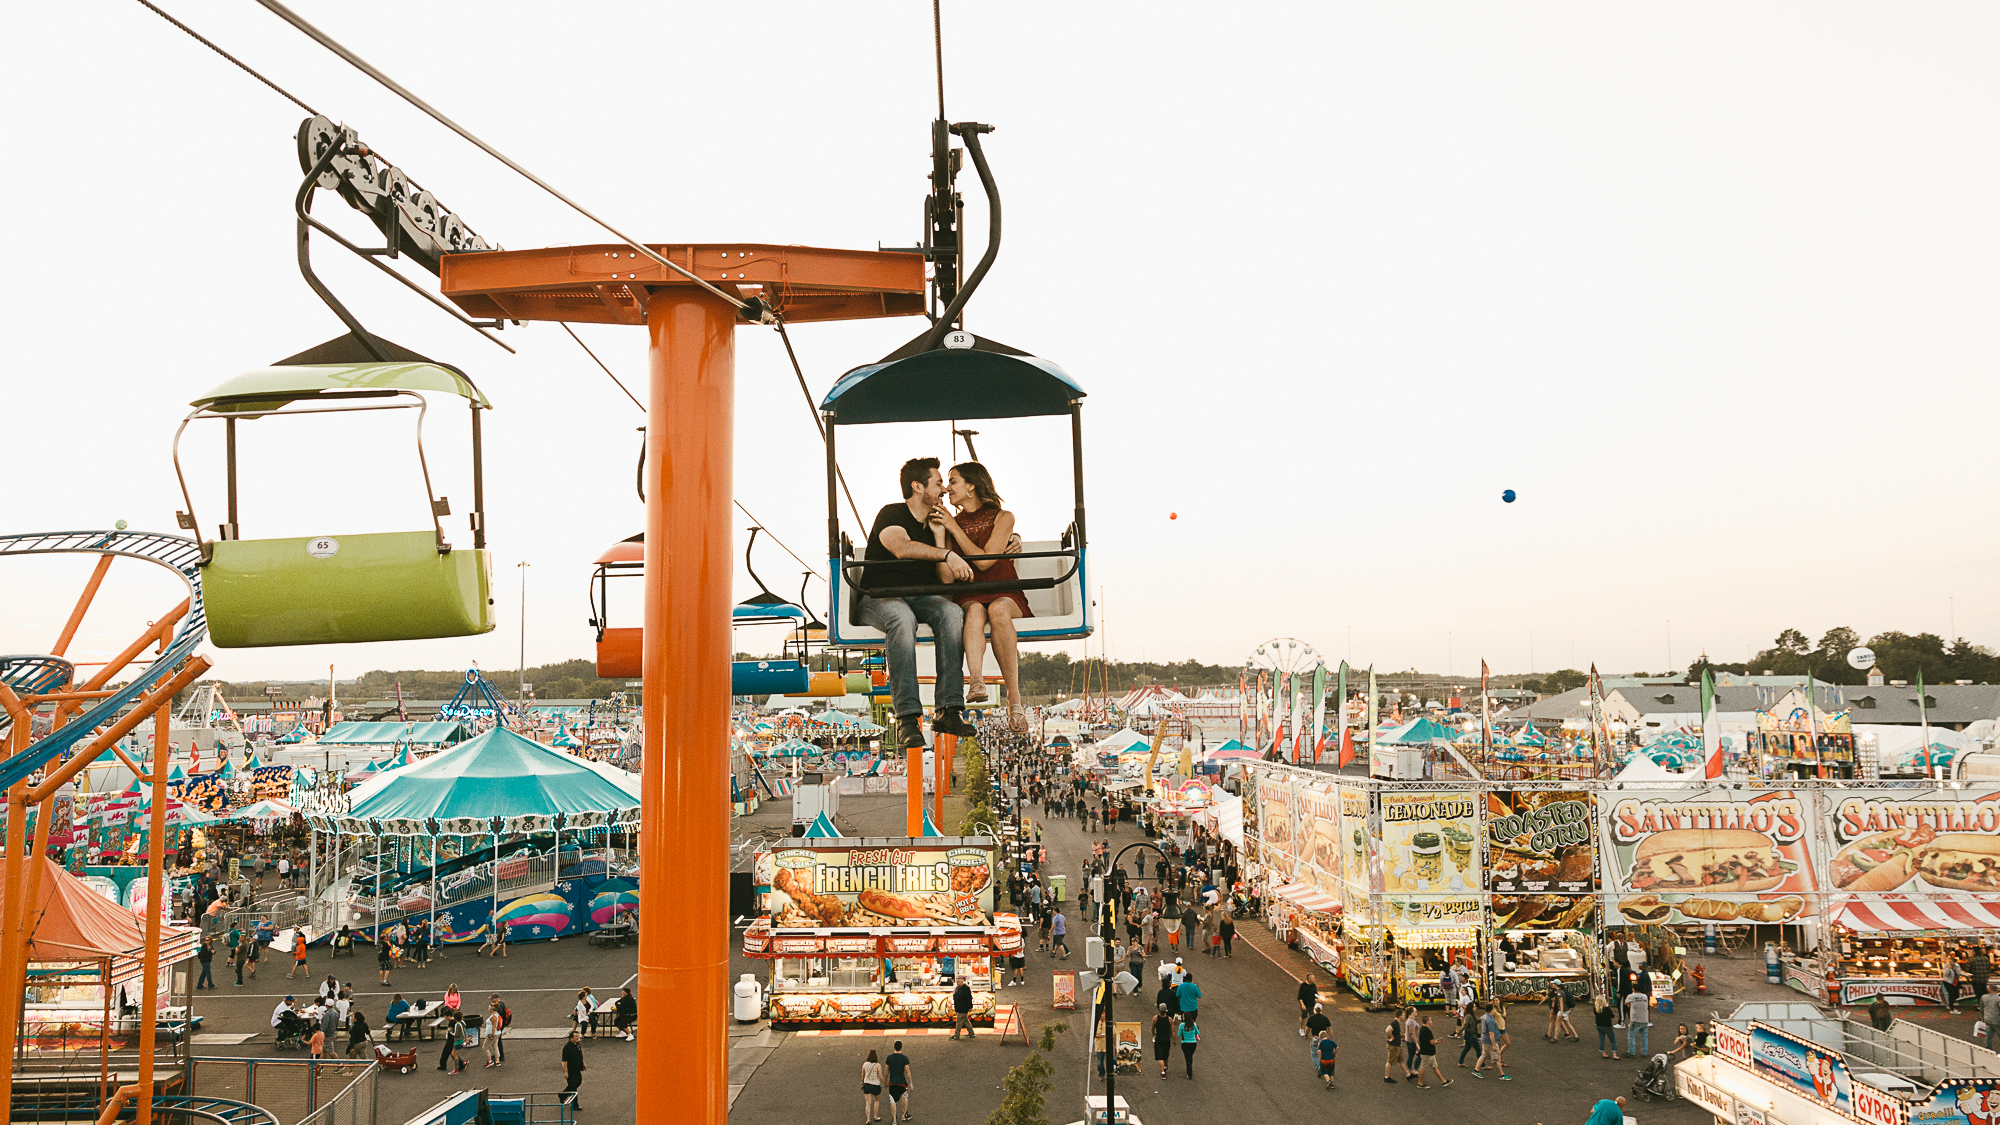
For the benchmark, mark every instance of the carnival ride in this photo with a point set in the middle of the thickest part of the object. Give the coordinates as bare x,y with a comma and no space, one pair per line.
415,584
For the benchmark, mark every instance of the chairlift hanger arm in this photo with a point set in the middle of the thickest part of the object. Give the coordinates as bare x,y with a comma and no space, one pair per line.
969,131
302,207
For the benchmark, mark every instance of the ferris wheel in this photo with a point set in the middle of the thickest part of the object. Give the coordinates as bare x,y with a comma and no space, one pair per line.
1284,654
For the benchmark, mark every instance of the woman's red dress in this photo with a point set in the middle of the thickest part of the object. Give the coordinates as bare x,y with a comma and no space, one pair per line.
978,527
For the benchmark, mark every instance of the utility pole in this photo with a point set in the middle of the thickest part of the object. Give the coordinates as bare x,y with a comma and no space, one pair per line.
521,693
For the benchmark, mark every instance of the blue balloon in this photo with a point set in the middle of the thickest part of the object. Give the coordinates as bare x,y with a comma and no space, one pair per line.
1508,496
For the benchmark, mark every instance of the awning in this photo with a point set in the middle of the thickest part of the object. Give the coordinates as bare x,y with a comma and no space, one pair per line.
1307,898
1875,916
1004,939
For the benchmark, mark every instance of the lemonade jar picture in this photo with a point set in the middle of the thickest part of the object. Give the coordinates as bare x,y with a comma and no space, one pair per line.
1427,851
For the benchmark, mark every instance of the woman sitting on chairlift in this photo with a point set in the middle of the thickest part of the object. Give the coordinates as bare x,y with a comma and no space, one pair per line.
983,527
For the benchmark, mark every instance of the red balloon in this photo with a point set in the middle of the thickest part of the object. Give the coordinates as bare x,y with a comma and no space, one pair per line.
1173,515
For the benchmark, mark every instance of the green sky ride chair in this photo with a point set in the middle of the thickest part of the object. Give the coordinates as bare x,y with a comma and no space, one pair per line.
341,589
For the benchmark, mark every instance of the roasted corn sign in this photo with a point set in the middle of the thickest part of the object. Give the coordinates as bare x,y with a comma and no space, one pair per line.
900,885
1541,859
1711,855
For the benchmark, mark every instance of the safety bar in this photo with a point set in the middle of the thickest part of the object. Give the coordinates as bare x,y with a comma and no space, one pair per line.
961,588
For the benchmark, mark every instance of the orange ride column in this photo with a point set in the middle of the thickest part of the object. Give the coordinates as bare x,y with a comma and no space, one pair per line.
684,953
683,993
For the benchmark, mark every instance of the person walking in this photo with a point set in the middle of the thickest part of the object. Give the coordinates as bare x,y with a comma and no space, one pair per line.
1491,1049
298,955
1607,1028
1989,1013
317,1044
1308,1001
1638,1024
1057,934
1228,932
584,1010
1468,1034
1952,975
871,1088
898,1065
489,1036
454,1037
1163,1038
1427,1053
385,959
1325,1053
1982,968
1188,994
961,1006
1410,1027
358,1033
573,1068
207,954
1392,1039
506,1021
241,956
1190,1039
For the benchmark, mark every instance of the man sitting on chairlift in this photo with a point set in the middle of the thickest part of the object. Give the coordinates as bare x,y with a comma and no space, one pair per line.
905,532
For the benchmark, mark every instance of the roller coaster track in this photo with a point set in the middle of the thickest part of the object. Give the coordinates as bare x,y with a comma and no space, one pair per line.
213,1109
178,554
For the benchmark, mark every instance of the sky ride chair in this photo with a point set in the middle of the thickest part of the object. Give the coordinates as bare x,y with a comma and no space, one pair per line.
619,649
348,588
949,375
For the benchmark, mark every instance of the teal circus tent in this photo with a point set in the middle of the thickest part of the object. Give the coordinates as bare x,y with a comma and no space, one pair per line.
392,734
1232,744
823,829
178,774
500,774
1423,730
1529,736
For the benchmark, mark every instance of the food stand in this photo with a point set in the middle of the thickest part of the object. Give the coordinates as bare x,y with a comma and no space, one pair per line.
1789,1064
1312,919
1542,874
1430,907
1894,950
880,931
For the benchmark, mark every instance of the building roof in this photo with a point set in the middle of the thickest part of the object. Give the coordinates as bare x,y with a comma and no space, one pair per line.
1948,704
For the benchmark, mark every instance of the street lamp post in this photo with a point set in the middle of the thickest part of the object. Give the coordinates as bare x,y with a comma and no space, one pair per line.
521,693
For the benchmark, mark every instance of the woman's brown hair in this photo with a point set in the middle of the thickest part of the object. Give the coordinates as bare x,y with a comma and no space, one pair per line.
975,474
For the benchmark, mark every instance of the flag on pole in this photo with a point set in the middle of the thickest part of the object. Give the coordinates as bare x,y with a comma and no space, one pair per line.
1373,709
1319,711
1812,719
1600,730
1295,710
1345,742
1924,720
1711,726
1485,718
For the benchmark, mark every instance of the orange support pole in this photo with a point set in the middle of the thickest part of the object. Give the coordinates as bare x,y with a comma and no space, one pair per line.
913,766
83,604
940,772
683,1074
156,871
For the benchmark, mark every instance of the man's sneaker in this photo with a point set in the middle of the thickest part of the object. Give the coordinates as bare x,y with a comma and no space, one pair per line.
910,731
951,720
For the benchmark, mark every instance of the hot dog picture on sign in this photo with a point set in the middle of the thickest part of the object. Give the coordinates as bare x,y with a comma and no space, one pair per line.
1707,855
1890,840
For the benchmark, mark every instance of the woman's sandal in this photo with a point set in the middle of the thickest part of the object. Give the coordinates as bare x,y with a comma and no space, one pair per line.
1017,720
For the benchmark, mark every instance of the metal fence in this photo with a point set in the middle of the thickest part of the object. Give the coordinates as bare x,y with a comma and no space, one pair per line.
296,1091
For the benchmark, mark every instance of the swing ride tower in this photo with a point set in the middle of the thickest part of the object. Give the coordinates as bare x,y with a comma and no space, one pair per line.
691,399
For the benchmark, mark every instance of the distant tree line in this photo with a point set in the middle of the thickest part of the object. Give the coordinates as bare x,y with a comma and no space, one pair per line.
566,679
1899,656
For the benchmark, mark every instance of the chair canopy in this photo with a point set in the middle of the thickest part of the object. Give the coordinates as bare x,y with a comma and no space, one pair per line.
986,380
268,388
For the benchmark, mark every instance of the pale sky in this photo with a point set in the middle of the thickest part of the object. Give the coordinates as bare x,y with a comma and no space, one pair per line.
1710,285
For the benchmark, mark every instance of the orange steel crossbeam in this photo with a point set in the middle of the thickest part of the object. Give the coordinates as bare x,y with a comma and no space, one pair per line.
686,651
83,604
614,285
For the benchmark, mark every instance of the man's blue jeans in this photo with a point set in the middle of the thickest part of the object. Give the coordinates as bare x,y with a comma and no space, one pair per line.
897,618
1638,1033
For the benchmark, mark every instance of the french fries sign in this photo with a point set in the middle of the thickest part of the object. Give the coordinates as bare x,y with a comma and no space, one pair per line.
900,885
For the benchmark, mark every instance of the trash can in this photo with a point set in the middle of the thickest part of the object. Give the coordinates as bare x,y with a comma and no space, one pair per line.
1060,885
1773,970
749,1001
1708,935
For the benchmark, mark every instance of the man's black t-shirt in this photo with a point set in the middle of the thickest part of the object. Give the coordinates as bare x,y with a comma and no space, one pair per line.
888,569
1308,992
1317,1022
1426,1042
898,1074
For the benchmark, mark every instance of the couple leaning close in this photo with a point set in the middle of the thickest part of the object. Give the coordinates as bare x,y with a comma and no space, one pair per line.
921,542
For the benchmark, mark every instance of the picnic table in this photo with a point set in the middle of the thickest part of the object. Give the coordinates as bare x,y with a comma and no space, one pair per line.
422,1018
617,933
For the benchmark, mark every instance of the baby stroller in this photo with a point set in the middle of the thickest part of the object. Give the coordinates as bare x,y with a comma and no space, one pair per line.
1655,1081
